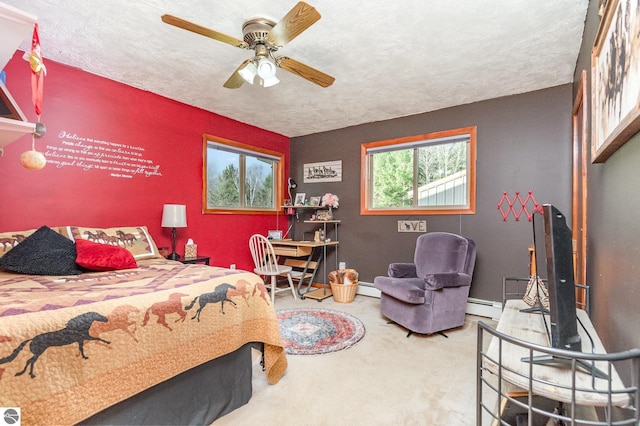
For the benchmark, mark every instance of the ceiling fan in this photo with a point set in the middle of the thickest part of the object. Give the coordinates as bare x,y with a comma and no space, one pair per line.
265,37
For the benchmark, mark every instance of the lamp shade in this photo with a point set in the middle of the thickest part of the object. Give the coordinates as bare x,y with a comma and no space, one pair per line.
174,216
267,72
249,72
268,82
266,68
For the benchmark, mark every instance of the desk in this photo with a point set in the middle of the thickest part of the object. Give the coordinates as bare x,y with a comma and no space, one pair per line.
553,382
314,254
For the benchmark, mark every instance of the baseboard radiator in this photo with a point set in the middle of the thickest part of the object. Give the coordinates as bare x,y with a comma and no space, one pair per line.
479,307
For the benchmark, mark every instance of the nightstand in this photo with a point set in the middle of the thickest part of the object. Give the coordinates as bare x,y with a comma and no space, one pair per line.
197,259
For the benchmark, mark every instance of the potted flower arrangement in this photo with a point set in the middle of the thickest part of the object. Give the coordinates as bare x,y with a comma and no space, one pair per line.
332,201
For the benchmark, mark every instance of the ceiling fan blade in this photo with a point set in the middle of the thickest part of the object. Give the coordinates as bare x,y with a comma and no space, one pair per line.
207,32
236,80
305,71
301,17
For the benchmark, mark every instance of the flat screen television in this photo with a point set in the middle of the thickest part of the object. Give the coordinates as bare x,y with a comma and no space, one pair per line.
555,236
560,281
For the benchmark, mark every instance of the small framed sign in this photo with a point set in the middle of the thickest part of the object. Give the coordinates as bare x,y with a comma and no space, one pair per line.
324,215
328,171
275,235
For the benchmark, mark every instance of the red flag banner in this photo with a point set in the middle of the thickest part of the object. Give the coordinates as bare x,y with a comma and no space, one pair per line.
38,71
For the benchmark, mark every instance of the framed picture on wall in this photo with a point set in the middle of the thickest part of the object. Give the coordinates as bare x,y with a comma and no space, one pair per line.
326,171
615,79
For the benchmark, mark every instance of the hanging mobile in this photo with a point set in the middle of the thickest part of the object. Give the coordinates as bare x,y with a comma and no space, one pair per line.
32,159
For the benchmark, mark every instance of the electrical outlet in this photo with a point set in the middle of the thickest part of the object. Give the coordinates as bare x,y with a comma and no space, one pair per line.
342,265
412,226
232,266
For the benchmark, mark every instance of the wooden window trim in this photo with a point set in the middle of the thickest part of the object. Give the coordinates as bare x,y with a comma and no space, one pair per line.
365,174
278,176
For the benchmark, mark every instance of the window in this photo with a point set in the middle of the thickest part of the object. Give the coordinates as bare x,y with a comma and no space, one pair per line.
433,173
240,178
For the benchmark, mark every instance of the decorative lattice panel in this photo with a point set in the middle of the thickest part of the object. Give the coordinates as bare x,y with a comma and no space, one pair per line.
516,206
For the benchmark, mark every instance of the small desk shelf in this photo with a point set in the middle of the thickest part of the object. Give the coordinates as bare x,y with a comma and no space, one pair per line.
308,211
324,224
305,257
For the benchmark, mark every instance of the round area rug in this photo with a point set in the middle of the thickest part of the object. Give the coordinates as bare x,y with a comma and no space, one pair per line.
318,331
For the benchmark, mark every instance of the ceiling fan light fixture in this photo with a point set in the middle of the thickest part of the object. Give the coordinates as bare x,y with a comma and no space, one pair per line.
268,82
266,68
264,36
267,72
249,72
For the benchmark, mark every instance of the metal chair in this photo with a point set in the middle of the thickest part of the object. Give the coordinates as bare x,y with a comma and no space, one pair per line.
266,264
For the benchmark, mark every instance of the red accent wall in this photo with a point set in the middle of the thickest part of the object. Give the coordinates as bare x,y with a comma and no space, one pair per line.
115,155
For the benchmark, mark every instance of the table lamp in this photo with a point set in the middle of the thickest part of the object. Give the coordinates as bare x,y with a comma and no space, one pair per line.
291,184
174,216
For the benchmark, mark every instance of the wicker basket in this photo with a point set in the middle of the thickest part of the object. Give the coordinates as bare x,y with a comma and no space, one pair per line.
344,293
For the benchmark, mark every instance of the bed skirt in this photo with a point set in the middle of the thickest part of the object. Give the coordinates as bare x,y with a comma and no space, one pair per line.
197,396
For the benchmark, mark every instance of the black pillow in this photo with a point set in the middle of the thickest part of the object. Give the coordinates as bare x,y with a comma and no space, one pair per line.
45,252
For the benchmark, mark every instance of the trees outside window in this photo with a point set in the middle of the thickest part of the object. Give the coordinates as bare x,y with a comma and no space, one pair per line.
240,178
424,174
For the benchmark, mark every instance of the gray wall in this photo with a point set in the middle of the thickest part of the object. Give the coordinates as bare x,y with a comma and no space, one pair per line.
613,261
524,143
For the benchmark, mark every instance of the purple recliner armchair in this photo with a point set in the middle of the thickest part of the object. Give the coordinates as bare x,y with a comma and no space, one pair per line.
430,295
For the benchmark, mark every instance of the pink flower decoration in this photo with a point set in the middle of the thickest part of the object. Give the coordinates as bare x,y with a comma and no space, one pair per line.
330,200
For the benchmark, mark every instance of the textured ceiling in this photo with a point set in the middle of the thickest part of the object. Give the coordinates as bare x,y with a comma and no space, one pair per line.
389,58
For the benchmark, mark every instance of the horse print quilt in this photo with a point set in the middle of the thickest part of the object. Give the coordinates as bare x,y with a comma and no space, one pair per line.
71,346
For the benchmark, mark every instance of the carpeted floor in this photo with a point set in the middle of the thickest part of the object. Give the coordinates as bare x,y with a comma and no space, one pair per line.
386,379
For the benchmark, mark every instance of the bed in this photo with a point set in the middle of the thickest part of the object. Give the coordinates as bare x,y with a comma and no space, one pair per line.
161,342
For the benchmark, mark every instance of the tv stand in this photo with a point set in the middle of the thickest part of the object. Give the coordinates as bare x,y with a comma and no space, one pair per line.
535,310
564,362
576,381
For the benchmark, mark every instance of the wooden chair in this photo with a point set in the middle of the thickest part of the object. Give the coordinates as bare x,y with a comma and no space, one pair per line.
266,264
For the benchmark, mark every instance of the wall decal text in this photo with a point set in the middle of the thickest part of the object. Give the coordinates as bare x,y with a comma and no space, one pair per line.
118,160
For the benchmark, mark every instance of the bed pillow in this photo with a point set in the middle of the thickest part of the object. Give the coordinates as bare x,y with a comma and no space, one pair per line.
45,252
136,239
103,257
